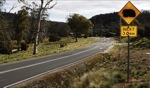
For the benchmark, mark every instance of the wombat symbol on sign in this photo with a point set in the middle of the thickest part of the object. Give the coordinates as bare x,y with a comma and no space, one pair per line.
129,13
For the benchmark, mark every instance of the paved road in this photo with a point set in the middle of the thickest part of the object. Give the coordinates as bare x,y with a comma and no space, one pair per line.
17,72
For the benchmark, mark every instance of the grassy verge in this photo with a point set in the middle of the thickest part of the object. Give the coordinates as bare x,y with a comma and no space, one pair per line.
136,42
102,71
47,48
121,40
141,43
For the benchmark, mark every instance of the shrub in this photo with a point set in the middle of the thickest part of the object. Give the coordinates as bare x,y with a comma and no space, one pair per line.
141,32
66,83
147,31
24,46
106,85
141,73
5,43
63,44
118,78
85,82
54,38
85,36
144,85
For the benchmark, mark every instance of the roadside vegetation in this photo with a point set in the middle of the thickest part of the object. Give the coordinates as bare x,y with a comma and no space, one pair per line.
141,43
104,70
29,32
48,48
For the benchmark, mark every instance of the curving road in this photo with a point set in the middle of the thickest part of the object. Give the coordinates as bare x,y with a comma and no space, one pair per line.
11,74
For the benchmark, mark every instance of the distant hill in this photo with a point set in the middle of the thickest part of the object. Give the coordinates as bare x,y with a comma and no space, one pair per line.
60,28
8,16
104,24
105,19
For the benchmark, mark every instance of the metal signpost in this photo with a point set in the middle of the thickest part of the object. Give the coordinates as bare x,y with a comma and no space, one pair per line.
128,13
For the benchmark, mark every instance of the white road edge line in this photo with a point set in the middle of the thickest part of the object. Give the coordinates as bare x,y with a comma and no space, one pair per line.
45,61
54,70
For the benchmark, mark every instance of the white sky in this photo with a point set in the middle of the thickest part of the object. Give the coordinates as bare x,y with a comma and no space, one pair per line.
87,8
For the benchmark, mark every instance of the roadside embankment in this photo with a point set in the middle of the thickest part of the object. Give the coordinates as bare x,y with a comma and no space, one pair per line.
103,70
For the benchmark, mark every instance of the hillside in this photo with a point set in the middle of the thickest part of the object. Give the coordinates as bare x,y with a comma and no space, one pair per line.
110,22
8,16
104,24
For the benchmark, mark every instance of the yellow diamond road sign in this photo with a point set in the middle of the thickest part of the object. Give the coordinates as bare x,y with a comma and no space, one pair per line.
129,12
128,31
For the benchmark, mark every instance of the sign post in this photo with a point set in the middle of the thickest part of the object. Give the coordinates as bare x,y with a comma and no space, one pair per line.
128,13
128,67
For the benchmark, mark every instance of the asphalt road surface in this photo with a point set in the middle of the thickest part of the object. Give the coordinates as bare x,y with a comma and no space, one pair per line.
14,73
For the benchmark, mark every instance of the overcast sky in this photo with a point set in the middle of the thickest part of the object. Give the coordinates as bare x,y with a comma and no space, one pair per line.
87,8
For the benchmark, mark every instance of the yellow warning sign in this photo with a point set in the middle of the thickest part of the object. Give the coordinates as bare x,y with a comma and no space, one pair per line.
129,12
128,31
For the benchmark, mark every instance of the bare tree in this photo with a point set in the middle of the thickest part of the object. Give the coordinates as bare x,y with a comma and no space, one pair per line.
13,7
44,5
1,4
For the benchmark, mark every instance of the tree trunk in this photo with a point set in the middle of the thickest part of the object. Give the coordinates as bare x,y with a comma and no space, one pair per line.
19,42
18,46
41,10
35,51
76,37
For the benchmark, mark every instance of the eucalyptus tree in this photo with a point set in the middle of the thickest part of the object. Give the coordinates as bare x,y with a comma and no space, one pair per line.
5,42
79,24
21,24
43,6
34,21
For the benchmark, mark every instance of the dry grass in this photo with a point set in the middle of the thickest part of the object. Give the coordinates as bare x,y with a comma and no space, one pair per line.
113,74
47,48
63,78
102,71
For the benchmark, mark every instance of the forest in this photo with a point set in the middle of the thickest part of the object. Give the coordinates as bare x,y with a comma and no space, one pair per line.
109,24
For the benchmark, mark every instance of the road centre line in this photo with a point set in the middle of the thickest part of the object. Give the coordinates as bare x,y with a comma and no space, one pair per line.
53,70
6,71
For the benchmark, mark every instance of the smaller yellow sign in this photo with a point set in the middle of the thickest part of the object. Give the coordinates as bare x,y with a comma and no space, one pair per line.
128,31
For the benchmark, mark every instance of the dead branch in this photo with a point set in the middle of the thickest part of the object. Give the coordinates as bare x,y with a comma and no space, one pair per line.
14,6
